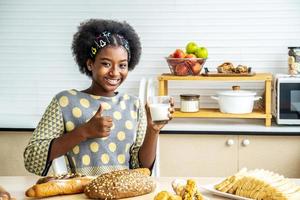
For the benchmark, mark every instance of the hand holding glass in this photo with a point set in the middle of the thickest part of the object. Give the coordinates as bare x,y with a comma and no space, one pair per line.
159,107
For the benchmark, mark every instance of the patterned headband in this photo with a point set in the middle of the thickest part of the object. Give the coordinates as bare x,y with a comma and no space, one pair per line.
104,39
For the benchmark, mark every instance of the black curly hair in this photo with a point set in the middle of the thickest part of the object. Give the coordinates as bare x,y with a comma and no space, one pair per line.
87,32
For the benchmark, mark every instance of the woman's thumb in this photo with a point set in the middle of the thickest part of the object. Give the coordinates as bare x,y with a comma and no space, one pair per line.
100,110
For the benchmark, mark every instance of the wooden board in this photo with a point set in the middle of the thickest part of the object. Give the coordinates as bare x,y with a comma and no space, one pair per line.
216,74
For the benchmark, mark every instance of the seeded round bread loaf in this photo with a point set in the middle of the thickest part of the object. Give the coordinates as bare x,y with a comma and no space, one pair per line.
120,184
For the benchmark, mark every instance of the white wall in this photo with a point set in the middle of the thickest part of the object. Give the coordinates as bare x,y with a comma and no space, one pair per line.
35,38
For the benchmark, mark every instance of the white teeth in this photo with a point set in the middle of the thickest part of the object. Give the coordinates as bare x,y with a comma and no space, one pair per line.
113,81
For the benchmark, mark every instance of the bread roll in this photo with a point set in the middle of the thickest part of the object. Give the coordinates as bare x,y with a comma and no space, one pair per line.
51,186
4,195
120,184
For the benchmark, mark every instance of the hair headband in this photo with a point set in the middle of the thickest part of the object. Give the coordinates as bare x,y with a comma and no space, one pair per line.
104,39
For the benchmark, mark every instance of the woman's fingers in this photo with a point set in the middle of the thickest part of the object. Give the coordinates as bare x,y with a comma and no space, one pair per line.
172,101
172,110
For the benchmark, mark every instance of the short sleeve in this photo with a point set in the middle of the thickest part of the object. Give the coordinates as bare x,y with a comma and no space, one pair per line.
50,127
140,135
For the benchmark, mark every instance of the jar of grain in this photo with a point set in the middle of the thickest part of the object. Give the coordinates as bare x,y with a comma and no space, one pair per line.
294,60
189,102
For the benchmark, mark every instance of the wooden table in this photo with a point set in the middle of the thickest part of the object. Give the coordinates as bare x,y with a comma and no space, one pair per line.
17,185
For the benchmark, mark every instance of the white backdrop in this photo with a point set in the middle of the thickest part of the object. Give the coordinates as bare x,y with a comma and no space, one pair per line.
35,38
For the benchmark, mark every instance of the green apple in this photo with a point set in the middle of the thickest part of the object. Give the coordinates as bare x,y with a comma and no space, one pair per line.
191,47
201,52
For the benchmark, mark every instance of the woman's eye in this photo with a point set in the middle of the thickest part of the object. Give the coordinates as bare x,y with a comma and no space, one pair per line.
123,66
105,64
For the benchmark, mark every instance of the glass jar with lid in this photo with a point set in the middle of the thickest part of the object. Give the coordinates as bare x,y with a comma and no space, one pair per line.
294,60
189,102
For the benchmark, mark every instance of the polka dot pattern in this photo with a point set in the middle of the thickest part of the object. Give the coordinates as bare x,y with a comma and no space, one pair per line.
122,105
117,115
128,125
104,158
76,149
106,106
121,135
121,158
114,99
94,146
63,101
95,97
85,103
126,97
72,92
113,150
86,160
112,146
70,126
133,114
76,112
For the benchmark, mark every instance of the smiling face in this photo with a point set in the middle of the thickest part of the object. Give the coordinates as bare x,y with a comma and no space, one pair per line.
109,70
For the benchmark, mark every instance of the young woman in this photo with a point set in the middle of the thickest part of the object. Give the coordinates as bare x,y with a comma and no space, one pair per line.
98,129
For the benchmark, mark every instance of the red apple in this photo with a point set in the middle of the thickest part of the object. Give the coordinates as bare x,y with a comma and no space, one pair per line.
178,54
190,56
196,68
181,69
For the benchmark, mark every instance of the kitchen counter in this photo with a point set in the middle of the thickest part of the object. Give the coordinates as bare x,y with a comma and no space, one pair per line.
227,126
17,185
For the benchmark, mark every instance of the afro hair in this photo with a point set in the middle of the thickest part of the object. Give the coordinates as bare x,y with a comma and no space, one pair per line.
84,38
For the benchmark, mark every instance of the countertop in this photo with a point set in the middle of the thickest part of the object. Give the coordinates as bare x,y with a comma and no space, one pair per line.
228,126
17,185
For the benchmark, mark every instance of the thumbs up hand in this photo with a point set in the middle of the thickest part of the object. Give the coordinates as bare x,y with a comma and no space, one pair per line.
98,126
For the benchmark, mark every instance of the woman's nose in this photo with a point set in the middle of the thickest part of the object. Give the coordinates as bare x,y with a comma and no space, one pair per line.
114,71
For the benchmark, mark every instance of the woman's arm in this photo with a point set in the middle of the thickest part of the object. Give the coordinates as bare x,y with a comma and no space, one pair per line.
97,127
50,126
147,136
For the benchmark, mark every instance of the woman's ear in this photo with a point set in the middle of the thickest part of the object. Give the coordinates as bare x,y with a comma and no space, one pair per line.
89,64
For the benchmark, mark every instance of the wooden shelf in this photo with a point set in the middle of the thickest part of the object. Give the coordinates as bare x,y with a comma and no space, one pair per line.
215,113
256,77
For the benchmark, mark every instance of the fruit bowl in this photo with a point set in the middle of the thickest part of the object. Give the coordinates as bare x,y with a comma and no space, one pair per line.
185,66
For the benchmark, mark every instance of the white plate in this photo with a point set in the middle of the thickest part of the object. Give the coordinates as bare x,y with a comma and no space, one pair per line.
211,189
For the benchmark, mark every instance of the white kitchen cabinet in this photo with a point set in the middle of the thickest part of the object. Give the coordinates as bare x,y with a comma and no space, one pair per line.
224,155
280,154
197,155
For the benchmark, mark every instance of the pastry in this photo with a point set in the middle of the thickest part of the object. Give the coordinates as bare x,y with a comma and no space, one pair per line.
226,67
120,184
187,190
260,184
58,185
241,69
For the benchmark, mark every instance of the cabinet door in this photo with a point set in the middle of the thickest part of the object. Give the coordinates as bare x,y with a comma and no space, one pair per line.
280,154
197,155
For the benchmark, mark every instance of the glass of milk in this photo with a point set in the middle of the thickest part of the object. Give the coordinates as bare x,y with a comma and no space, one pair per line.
159,107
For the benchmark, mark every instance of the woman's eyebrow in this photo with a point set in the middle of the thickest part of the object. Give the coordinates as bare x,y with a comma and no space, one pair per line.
105,59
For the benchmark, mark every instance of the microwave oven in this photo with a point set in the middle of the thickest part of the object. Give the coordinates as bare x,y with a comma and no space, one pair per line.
287,99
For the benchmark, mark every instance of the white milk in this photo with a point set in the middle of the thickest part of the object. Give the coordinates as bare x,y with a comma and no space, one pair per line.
159,111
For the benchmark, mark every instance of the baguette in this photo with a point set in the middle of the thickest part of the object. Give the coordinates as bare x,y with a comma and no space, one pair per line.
52,186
